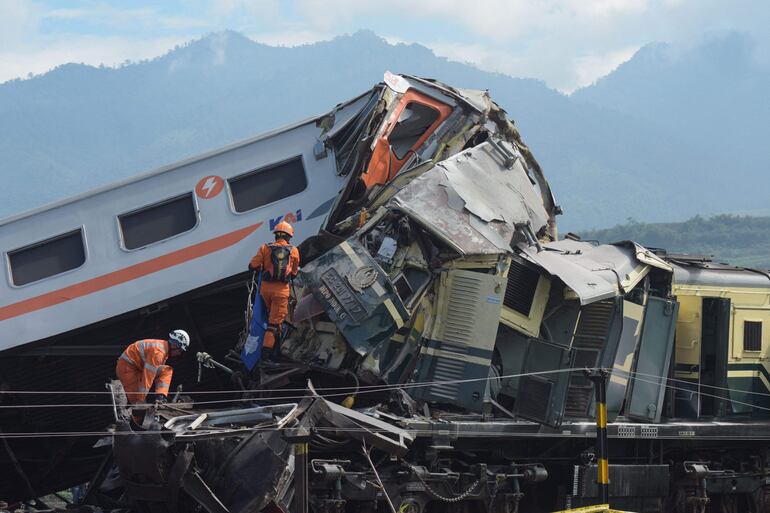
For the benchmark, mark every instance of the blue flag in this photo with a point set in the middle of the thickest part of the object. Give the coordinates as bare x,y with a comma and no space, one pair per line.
252,349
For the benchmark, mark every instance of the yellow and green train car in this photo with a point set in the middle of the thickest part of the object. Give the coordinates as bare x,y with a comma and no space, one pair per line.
722,340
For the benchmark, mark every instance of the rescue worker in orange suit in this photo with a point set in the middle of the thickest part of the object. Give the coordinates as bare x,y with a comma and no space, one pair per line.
279,263
142,366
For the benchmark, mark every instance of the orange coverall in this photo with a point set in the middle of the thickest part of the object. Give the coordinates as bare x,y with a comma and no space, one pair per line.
275,294
143,364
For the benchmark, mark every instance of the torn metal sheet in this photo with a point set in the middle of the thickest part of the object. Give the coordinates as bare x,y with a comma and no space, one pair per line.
645,255
455,202
396,82
592,272
492,191
357,425
339,118
241,416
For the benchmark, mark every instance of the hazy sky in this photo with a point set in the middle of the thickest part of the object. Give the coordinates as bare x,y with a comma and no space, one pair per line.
566,43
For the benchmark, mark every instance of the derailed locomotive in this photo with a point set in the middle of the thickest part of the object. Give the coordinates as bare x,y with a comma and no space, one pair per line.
435,358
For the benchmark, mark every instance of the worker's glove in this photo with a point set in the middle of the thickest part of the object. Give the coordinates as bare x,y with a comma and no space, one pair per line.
161,399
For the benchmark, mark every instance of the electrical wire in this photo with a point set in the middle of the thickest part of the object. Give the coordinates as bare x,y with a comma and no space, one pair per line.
378,387
321,428
658,380
689,390
727,389
346,390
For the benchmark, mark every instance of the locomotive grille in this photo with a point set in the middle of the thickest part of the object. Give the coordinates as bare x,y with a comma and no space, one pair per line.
461,310
447,370
594,324
520,292
590,338
581,390
534,398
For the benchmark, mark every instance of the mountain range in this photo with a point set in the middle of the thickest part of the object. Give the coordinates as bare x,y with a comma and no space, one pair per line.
667,135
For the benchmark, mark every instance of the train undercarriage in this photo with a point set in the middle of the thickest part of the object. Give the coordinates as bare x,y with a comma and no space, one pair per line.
387,456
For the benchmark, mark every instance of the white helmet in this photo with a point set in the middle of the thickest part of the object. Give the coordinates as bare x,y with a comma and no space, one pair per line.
179,338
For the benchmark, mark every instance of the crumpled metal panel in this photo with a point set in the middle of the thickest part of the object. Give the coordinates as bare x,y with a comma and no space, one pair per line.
473,202
356,294
593,272
645,255
589,285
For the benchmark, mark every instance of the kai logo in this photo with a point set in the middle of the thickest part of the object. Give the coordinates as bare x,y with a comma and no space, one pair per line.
289,217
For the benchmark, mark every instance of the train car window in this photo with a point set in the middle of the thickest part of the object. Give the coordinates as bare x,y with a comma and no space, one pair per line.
267,185
752,335
158,222
47,258
413,122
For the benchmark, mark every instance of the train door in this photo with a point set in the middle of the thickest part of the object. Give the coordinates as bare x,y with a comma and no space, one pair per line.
715,332
647,386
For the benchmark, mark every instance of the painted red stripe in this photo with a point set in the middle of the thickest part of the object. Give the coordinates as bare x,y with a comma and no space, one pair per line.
127,274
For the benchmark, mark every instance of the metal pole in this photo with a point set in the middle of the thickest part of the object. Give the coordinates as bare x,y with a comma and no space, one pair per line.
300,476
603,474
299,437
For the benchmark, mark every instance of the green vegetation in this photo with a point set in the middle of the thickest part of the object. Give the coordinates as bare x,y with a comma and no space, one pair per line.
740,240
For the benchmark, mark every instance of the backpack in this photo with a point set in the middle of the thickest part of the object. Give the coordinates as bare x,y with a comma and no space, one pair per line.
278,267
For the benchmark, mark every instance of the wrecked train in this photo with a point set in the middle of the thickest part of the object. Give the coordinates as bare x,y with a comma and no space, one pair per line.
87,275
438,308
454,330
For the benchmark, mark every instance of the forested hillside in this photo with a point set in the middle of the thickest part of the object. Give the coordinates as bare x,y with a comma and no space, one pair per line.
740,240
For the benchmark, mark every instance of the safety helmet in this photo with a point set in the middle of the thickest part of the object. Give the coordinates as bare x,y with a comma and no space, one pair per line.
179,338
284,227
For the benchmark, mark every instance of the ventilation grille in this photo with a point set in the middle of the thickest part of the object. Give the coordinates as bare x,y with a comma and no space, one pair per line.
578,402
581,390
594,325
752,335
447,369
590,338
534,398
459,325
520,292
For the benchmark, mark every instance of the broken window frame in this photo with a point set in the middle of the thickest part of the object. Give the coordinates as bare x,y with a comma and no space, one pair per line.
415,293
394,163
413,96
418,110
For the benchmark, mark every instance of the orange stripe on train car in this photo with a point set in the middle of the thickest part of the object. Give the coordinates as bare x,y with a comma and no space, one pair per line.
127,274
